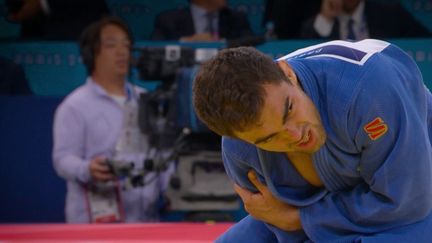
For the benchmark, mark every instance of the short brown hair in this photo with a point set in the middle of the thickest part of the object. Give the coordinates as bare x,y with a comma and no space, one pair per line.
228,93
90,39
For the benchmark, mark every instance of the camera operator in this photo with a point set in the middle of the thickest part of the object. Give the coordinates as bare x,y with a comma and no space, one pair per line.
97,125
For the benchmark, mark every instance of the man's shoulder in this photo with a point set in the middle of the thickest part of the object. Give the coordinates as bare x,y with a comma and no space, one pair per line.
238,148
79,97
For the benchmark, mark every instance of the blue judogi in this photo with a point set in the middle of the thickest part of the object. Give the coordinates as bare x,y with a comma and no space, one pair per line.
376,164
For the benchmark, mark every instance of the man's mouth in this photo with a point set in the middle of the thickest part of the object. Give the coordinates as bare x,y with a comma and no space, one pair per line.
305,140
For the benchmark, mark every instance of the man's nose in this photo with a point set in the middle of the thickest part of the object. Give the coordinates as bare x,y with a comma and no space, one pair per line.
122,51
121,48
293,132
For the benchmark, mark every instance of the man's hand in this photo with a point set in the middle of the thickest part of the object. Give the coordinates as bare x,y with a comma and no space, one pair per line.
99,170
264,206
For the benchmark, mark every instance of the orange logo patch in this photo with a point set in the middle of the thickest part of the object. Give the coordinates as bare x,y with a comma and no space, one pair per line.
376,128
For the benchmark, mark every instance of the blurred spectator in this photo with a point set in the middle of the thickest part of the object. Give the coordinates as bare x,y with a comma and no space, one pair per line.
361,19
55,19
96,126
288,16
12,79
204,20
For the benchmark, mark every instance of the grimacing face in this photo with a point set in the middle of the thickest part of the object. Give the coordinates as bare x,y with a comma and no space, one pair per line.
289,121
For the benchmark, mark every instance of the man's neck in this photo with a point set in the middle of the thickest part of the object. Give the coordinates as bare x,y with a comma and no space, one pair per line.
205,5
111,84
304,164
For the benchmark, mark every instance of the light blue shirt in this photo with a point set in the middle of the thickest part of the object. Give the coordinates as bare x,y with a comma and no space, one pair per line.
88,123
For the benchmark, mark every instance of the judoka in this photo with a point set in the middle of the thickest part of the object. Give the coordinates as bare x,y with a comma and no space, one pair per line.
330,143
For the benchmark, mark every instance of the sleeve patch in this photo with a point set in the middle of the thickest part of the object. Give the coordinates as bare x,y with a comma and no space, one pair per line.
376,128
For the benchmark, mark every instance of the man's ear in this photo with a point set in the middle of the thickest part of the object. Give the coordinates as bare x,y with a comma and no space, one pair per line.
289,72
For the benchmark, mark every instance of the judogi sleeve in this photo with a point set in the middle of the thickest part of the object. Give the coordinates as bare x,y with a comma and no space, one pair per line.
387,122
240,157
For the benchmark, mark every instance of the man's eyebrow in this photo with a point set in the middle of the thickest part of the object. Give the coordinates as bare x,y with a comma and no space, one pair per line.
284,118
286,110
262,139
111,38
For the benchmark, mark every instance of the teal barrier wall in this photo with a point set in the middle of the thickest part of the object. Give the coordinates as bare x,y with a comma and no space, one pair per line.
55,68
52,68
421,10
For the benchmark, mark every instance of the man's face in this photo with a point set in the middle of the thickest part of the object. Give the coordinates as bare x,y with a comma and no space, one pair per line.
114,53
289,122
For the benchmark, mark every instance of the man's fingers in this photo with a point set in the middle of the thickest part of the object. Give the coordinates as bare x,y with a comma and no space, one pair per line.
243,193
254,179
100,166
100,159
103,176
104,169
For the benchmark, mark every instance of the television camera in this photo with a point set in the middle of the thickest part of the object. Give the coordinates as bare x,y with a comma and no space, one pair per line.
166,115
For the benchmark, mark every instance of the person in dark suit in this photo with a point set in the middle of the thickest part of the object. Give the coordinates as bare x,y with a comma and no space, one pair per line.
287,16
55,19
361,19
203,20
12,79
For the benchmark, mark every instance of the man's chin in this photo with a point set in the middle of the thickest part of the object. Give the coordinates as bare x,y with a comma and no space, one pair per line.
122,73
